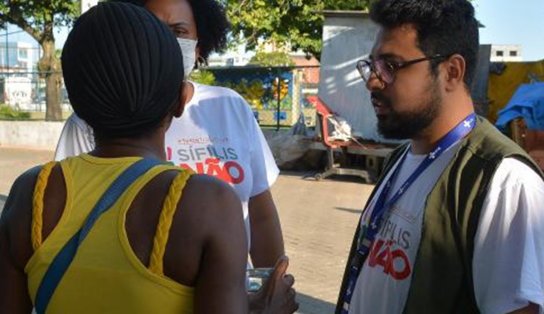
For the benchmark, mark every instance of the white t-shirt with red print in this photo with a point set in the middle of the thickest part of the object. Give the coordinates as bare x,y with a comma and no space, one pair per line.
508,261
217,135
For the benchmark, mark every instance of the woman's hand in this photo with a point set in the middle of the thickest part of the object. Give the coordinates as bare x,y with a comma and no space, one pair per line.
277,296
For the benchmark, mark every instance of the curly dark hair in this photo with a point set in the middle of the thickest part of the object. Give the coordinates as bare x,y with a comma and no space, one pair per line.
443,27
211,23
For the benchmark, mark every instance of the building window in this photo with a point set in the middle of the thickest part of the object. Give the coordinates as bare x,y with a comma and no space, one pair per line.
23,53
500,53
513,53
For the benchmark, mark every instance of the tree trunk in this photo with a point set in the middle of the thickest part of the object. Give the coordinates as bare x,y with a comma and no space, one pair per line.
50,67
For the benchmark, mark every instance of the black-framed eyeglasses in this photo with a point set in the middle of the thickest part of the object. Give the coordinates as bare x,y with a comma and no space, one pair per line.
385,70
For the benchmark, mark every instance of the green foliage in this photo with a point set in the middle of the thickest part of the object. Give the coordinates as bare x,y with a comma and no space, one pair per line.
276,58
253,92
354,5
261,96
298,22
37,17
202,77
10,113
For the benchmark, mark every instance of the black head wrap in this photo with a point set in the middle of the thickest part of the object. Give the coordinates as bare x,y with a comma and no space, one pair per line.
123,69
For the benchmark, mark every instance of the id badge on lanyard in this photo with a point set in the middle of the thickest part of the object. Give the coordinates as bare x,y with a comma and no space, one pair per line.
370,229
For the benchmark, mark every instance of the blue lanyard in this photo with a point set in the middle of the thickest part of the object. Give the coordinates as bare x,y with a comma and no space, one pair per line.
370,231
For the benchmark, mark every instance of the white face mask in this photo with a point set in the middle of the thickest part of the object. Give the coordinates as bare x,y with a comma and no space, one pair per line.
188,47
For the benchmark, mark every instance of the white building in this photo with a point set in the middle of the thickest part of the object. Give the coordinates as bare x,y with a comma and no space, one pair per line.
18,57
236,56
506,53
228,59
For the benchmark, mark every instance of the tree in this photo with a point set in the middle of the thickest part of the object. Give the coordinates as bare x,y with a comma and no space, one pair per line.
37,18
275,58
203,77
298,22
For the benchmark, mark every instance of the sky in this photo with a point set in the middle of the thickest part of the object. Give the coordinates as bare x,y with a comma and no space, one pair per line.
506,22
518,22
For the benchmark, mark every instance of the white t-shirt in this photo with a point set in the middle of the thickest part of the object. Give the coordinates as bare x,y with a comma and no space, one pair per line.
76,138
217,135
508,262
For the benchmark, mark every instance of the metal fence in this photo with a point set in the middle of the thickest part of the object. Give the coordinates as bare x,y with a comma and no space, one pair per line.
277,95
25,91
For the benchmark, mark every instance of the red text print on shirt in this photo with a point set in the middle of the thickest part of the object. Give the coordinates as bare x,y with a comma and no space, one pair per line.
394,260
229,171
221,163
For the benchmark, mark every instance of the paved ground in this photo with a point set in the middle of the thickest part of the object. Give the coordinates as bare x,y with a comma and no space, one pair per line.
318,220
15,161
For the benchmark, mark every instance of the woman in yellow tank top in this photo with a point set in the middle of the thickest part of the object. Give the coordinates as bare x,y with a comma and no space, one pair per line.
172,242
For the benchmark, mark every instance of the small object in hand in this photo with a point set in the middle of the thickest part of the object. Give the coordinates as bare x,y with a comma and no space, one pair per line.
257,277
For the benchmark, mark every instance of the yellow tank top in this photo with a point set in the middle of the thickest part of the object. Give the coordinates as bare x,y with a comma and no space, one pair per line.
105,276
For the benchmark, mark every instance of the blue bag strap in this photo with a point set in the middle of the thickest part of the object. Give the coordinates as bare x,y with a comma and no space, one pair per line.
64,258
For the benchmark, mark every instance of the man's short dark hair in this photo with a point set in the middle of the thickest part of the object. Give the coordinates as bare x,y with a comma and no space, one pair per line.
211,23
443,27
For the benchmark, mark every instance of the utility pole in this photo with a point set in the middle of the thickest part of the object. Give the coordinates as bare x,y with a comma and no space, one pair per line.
278,112
7,53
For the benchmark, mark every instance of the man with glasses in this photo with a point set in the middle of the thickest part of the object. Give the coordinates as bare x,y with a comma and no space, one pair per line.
456,222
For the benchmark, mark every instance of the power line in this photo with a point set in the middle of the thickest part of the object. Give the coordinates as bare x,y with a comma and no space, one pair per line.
15,32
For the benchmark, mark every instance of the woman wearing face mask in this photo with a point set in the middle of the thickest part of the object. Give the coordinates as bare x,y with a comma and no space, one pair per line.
217,134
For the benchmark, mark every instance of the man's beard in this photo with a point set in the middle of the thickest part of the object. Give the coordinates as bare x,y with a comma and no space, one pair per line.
407,125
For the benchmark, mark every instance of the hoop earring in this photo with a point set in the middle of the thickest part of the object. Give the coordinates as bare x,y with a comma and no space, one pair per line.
201,61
